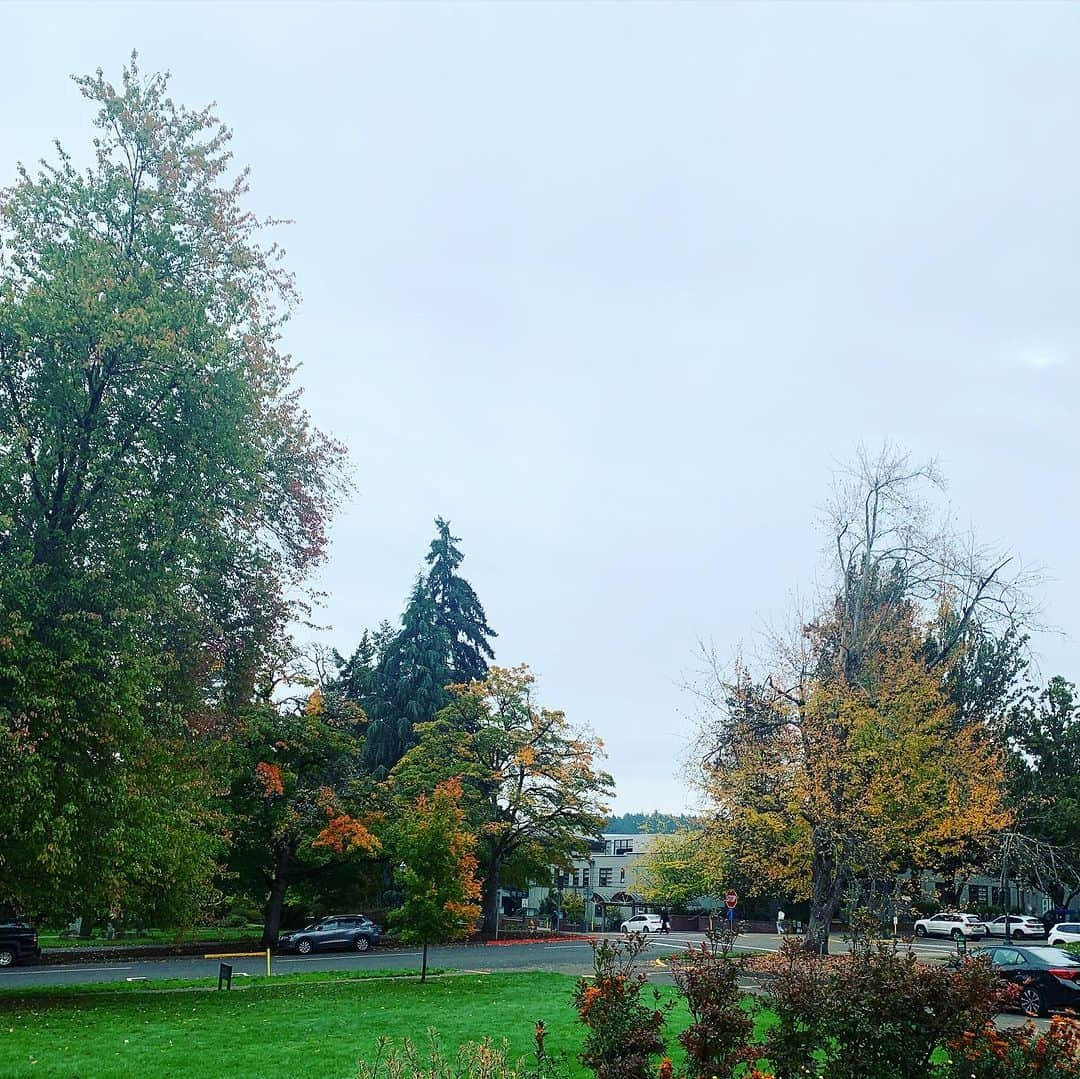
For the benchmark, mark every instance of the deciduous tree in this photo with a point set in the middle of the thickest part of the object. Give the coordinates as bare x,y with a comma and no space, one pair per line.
529,778
162,493
294,807
437,874
853,760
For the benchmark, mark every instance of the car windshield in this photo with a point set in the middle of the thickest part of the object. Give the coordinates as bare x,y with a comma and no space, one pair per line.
1058,956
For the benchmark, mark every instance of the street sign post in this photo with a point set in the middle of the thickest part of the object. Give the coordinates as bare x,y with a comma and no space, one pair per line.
732,899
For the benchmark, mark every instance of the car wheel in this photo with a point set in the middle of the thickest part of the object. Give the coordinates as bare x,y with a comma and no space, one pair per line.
7,957
920,930
1030,1001
304,947
957,935
362,943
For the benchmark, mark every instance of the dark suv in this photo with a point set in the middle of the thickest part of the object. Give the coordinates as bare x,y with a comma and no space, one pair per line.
337,932
17,941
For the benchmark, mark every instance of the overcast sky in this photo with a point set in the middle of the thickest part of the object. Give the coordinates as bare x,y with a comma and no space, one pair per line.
615,287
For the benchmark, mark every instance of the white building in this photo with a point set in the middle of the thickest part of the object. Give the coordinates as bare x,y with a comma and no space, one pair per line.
607,878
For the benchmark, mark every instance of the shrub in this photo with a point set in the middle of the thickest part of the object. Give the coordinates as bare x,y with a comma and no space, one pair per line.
872,1012
719,1033
988,1053
622,1033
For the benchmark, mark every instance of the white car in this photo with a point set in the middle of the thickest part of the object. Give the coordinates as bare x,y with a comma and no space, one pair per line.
642,923
1065,933
1021,926
950,924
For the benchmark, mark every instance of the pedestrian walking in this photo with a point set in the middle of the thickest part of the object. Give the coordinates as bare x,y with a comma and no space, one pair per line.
665,924
779,923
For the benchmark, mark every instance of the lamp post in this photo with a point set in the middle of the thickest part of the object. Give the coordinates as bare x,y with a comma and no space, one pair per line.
1005,888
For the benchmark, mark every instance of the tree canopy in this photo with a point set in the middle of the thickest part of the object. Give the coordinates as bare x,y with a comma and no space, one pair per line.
868,751
529,777
162,495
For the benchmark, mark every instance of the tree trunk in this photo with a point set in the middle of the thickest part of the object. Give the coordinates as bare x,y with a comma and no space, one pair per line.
423,965
823,899
86,925
490,897
278,887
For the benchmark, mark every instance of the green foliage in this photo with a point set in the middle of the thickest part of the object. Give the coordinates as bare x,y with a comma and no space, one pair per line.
718,1038
529,780
401,678
296,800
682,868
873,1011
160,490
409,682
459,611
1044,775
655,822
437,870
622,1034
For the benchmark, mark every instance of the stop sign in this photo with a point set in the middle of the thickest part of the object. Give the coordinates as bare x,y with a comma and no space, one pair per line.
732,899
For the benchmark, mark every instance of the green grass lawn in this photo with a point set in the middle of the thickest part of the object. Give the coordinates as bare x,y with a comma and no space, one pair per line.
51,938
281,1030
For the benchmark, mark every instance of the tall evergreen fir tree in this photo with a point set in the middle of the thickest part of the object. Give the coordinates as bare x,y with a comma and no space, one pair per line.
355,674
408,684
458,609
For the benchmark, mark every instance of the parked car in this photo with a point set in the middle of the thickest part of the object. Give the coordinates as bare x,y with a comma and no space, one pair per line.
1020,926
335,933
950,924
1048,977
18,942
1065,933
642,923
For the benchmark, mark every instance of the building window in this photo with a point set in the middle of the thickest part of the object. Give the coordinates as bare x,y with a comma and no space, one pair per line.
584,878
624,846
605,877
622,876
574,879
978,894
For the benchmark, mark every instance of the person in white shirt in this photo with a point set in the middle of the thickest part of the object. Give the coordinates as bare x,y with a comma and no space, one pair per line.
779,923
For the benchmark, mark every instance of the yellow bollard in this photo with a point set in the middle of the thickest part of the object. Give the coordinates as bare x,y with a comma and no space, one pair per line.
268,962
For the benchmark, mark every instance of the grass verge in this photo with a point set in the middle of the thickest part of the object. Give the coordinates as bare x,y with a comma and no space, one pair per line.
278,1031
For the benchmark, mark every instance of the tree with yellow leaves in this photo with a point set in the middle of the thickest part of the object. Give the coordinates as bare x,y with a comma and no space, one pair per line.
851,763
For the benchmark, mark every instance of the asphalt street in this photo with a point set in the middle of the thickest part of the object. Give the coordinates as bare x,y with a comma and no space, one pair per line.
566,957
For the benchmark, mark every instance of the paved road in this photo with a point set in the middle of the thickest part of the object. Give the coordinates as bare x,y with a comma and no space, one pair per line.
566,957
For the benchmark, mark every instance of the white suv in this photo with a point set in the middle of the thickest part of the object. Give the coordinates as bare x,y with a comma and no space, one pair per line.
642,923
950,924
1065,933
1020,926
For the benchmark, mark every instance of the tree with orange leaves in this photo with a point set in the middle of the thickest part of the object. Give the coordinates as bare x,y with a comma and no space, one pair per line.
437,874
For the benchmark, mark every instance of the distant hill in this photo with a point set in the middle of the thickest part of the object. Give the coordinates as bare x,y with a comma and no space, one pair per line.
659,823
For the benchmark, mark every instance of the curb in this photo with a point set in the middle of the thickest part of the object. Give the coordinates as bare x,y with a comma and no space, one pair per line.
538,940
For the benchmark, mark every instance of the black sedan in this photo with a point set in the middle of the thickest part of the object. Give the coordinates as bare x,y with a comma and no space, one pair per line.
338,932
1048,977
